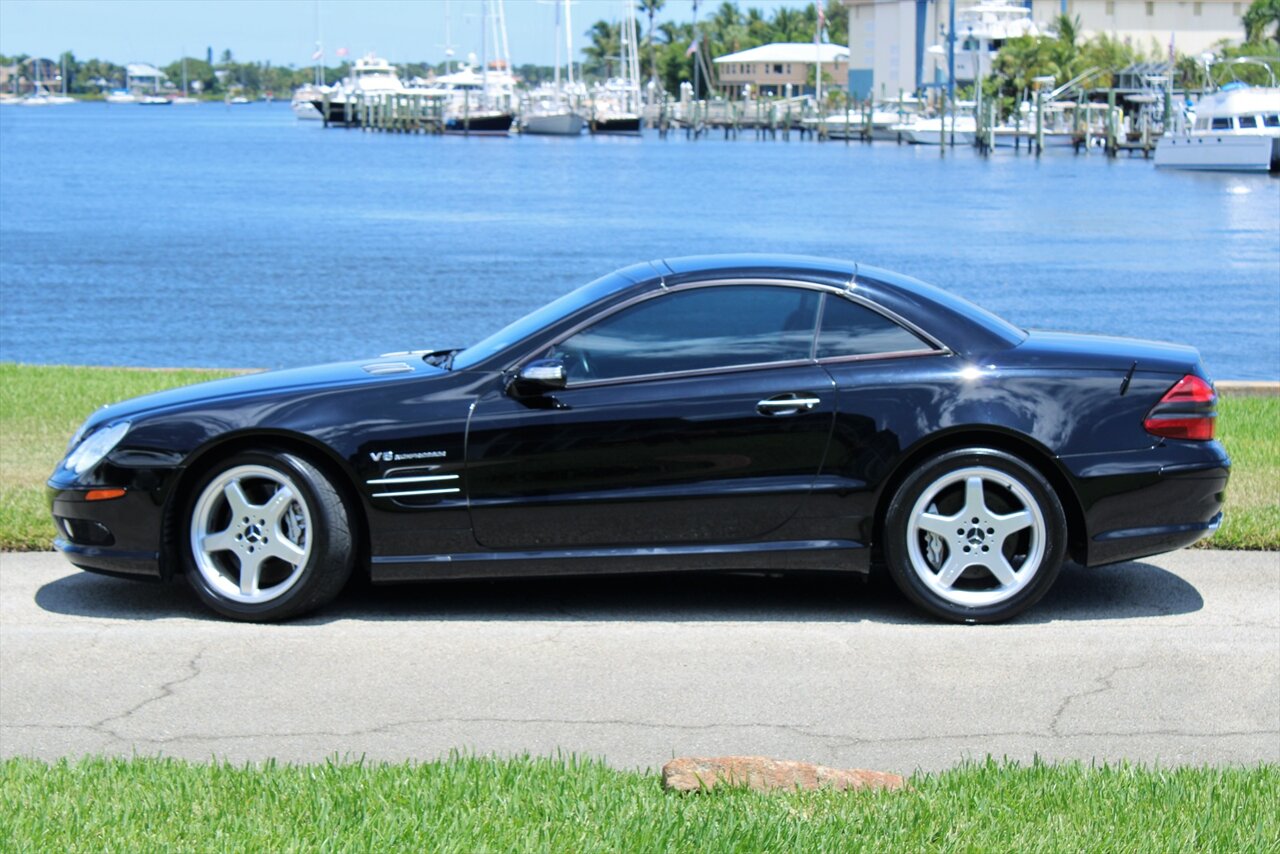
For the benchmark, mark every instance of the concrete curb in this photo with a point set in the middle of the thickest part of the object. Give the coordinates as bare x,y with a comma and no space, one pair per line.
1248,388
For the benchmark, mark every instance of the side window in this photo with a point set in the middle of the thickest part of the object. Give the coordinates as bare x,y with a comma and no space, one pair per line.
850,329
1247,122
712,327
1271,120
1221,123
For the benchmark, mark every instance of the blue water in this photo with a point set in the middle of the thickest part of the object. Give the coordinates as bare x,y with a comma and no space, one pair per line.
216,236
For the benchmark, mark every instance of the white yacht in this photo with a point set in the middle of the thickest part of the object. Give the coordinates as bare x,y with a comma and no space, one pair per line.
1236,129
961,128
981,31
370,75
304,101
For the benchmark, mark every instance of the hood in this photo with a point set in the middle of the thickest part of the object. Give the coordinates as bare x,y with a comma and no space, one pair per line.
395,367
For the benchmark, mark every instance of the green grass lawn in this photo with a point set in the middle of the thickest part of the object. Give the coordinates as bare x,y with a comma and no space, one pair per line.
41,406
531,804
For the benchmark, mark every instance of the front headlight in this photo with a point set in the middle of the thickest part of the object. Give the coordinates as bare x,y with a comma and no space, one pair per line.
90,452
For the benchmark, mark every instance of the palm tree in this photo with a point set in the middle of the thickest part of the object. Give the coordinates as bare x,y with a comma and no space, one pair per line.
605,47
651,8
1261,15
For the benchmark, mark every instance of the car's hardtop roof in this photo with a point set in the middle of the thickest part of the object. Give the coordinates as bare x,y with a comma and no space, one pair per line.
693,267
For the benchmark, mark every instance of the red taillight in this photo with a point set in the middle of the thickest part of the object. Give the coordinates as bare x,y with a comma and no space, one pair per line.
1185,412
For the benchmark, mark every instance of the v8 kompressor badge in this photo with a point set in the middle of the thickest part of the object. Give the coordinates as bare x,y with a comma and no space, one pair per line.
393,457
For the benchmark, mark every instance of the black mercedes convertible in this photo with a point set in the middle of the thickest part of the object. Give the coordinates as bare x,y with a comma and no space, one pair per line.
707,413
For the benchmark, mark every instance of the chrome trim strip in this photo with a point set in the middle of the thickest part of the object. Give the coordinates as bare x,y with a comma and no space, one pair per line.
607,552
415,492
423,479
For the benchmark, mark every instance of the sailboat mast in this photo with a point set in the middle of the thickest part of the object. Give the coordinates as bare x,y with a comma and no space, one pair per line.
484,48
558,28
568,38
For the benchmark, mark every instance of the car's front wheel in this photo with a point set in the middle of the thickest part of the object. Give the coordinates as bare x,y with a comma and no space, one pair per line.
975,535
268,537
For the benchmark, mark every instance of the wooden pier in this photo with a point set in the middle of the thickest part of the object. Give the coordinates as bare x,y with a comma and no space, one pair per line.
409,112
389,112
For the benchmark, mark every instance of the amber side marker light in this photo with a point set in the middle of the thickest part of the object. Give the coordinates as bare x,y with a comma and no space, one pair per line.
1185,412
103,494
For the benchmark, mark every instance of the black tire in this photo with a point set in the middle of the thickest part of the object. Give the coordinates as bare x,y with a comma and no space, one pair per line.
311,521
955,571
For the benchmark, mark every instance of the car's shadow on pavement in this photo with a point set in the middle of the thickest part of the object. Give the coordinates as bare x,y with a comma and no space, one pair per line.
1126,590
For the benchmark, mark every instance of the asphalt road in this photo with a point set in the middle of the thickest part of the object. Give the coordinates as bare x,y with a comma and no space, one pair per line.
1173,660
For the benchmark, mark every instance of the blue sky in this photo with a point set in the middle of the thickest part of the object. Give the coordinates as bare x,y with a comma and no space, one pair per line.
284,31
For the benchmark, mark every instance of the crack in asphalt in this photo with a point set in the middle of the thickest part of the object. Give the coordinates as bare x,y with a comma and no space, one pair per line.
1106,685
166,690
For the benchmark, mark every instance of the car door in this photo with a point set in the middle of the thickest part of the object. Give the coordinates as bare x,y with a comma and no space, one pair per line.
694,416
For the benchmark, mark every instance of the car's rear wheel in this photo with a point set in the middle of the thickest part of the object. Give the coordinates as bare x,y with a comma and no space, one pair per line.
975,535
268,537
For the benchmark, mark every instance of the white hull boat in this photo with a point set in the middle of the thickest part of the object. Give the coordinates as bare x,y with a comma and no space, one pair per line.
935,132
567,123
1236,129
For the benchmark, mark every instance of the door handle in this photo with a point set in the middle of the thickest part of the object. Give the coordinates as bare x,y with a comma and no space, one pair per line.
787,404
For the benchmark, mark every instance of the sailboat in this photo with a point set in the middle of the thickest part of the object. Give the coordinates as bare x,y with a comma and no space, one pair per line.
550,111
62,98
490,113
617,102
39,96
184,98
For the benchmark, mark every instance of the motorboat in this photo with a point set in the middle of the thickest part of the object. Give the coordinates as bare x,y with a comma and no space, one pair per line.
121,96
154,101
1235,129
370,75
304,101
981,30
959,129
888,119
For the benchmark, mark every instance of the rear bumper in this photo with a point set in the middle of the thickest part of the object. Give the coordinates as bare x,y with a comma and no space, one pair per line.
1152,501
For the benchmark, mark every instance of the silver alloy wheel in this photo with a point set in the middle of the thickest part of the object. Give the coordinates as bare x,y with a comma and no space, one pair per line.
250,534
964,551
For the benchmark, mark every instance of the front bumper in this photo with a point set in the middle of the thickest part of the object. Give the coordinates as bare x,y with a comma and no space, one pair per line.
118,536
1151,501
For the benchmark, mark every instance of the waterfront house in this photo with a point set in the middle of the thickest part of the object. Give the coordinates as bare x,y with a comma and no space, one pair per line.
776,69
889,39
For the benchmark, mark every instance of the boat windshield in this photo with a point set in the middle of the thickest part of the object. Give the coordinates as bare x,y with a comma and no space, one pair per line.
529,325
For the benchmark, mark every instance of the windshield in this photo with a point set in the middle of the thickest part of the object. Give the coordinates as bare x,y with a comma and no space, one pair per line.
531,324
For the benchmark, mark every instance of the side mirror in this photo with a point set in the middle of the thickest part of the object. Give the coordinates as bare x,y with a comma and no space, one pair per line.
537,377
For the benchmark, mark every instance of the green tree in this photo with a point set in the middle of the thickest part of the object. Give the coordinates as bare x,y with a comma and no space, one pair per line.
604,49
197,70
651,8
1261,16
